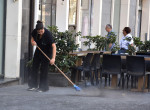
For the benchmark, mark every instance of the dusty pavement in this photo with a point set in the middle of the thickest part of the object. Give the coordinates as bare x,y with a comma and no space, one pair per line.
66,98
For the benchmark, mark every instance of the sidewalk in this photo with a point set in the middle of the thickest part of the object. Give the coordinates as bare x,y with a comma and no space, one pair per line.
66,98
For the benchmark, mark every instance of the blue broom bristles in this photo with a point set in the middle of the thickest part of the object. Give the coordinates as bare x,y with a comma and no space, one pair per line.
77,88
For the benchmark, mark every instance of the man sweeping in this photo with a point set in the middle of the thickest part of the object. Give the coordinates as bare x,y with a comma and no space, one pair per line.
44,40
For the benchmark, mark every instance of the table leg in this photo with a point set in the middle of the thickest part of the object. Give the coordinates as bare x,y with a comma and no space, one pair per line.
140,83
78,63
114,81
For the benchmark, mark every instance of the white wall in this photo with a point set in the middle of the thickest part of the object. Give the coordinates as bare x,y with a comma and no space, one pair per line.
124,16
145,19
62,14
79,19
97,17
13,38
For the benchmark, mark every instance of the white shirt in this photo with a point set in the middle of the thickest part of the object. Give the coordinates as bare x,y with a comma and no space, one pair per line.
124,43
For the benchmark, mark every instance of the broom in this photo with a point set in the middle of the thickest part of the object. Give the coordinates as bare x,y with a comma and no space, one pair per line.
75,86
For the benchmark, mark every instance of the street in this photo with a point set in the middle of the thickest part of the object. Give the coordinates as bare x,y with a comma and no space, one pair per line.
66,98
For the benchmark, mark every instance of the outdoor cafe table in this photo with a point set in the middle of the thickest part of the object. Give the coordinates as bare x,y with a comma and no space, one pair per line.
114,77
84,53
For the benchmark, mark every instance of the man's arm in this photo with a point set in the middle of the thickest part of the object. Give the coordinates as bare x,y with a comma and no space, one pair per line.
54,54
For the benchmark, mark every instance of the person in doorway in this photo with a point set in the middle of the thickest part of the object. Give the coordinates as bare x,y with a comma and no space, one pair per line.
108,28
43,38
126,40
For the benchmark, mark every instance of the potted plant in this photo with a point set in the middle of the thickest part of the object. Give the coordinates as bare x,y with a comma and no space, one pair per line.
100,42
131,50
115,48
65,43
146,46
88,42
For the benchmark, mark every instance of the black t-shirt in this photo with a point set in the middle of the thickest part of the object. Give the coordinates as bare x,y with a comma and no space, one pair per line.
45,43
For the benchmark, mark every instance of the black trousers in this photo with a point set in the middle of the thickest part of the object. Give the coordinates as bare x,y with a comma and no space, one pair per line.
42,64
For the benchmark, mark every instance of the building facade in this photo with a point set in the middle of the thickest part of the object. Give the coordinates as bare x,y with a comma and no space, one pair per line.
15,28
91,16
18,18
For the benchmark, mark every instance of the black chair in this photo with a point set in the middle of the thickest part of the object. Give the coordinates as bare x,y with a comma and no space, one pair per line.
95,66
147,64
111,65
135,68
86,66
123,70
76,71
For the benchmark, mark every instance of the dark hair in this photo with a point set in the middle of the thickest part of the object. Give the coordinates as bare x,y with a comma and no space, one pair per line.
127,30
39,25
109,26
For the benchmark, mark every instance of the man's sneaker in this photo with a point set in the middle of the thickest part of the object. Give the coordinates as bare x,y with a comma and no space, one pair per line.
40,90
32,89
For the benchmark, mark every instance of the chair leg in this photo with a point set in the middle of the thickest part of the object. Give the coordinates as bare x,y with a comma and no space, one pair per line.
144,83
135,81
101,76
84,78
105,79
122,75
148,82
91,77
109,79
132,81
120,80
128,80
96,77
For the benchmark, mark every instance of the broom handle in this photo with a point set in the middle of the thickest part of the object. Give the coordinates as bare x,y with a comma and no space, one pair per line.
56,66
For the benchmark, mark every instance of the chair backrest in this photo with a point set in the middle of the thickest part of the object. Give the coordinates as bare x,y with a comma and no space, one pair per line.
96,60
111,64
135,65
87,60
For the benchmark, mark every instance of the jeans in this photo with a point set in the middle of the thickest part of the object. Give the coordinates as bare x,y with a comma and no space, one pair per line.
122,51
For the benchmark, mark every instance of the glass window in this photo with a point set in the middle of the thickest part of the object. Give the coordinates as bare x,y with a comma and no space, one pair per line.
72,12
2,4
47,12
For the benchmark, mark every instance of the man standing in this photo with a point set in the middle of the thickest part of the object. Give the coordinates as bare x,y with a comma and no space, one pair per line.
108,28
43,38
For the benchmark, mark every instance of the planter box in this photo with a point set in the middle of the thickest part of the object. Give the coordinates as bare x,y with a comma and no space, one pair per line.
57,80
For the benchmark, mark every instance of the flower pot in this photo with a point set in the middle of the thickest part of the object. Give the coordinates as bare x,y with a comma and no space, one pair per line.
57,80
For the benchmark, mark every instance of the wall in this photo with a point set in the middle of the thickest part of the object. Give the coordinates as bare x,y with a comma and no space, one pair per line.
2,6
145,19
132,16
62,13
13,38
106,15
25,27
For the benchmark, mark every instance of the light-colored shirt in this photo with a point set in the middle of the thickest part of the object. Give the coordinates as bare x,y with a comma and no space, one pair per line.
124,43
